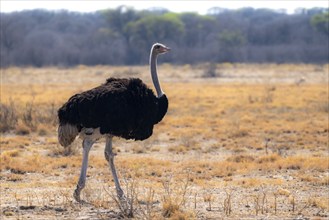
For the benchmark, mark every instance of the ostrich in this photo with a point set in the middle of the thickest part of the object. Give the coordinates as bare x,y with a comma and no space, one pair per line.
126,108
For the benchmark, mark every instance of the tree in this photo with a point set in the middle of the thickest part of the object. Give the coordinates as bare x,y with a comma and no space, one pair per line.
123,36
150,29
321,22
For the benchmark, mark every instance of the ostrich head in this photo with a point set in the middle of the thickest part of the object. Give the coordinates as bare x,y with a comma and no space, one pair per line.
156,50
160,48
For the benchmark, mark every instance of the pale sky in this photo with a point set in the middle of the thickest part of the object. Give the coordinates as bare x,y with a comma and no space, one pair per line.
200,6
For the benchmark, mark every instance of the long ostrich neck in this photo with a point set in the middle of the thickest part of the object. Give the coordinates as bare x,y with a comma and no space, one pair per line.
154,74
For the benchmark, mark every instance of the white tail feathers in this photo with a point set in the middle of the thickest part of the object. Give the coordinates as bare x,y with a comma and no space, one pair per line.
67,134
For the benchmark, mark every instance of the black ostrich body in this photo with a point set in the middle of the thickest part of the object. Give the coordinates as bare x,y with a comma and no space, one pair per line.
125,108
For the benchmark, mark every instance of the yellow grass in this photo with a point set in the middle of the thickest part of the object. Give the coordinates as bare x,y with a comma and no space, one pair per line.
267,135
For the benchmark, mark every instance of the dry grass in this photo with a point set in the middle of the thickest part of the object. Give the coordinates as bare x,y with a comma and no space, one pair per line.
253,142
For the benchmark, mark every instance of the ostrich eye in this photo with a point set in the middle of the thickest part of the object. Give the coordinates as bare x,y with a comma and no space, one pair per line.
157,47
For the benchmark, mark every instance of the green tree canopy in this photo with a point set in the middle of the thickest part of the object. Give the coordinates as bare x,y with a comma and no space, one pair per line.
321,22
153,28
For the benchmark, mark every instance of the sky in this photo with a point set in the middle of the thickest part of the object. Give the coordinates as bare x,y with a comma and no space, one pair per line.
200,6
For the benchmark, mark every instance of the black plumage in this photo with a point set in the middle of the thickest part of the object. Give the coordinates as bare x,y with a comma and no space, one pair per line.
120,107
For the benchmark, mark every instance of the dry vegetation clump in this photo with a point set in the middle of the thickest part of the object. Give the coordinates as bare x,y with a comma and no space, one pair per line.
315,180
241,158
22,129
8,116
16,165
24,119
174,198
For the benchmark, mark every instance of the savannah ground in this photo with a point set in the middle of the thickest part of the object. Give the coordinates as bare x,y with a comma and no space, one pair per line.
251,142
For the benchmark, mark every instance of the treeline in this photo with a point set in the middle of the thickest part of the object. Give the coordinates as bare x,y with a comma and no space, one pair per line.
123,36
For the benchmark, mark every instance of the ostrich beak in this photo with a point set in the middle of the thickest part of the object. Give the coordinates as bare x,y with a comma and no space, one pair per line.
165,49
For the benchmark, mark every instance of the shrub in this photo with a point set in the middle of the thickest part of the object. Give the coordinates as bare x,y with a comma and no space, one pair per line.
22,129
8,117
210,70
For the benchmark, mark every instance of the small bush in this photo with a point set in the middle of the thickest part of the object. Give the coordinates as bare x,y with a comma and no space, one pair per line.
28,116
138,149
22,129
12,153
268,158
323,107
42,130
8,117
210,70
241,158
169,208
175,197
177,149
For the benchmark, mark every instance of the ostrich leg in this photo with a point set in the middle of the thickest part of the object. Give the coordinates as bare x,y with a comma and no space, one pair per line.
109,155
87,144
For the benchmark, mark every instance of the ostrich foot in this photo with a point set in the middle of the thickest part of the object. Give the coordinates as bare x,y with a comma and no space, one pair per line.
77,198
